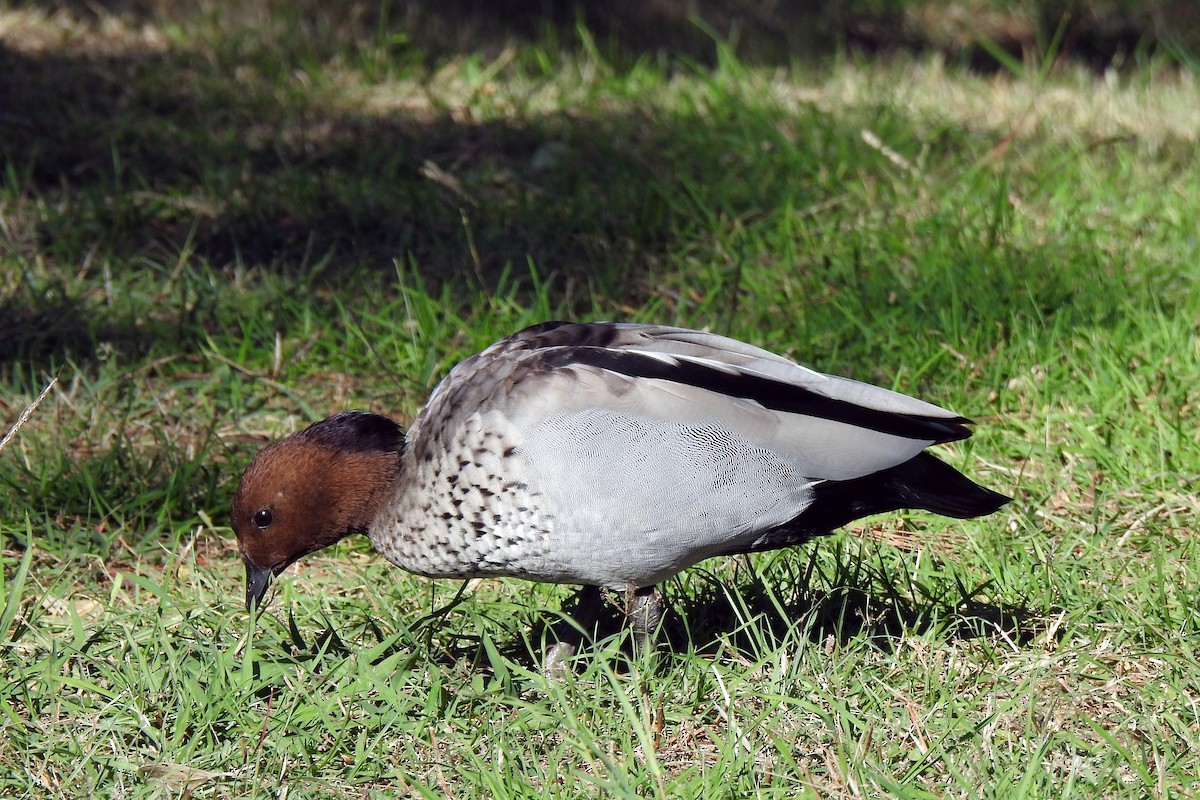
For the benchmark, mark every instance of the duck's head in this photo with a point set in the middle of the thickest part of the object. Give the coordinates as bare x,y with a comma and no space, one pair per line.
310,490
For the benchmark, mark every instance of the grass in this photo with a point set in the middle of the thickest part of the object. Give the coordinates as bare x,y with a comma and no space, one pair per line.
215,228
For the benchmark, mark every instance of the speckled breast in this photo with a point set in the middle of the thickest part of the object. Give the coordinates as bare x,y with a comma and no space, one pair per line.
463,509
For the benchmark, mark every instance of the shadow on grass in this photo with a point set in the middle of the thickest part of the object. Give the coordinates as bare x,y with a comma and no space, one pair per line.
712,624
769,34
753,620
137,156
720,618
1097,32
139,161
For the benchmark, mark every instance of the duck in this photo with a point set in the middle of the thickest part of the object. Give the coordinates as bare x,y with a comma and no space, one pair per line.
603,454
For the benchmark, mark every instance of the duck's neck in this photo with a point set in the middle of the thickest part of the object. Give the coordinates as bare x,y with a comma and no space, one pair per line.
365,462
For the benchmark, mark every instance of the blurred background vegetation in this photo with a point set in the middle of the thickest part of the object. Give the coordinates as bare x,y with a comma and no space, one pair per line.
247,134
1102,33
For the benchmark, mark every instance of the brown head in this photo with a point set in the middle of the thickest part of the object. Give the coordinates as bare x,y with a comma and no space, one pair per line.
311,490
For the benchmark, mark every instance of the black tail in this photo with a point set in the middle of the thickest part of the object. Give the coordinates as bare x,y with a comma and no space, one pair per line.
922,482
925,482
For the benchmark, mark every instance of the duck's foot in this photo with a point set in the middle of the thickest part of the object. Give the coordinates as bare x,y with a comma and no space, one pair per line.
569,635
554,663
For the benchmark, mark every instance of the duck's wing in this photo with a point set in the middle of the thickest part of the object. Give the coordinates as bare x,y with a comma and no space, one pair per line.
691,355
828,427
736,358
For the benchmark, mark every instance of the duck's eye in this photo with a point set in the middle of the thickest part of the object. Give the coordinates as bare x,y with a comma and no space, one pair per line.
262,518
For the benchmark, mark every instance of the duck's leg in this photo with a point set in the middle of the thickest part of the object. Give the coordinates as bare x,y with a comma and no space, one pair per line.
588,604
644,611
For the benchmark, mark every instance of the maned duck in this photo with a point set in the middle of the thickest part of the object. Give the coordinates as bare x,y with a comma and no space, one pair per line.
603,454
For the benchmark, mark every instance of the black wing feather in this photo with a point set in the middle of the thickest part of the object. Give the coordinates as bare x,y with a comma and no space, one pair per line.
772,394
